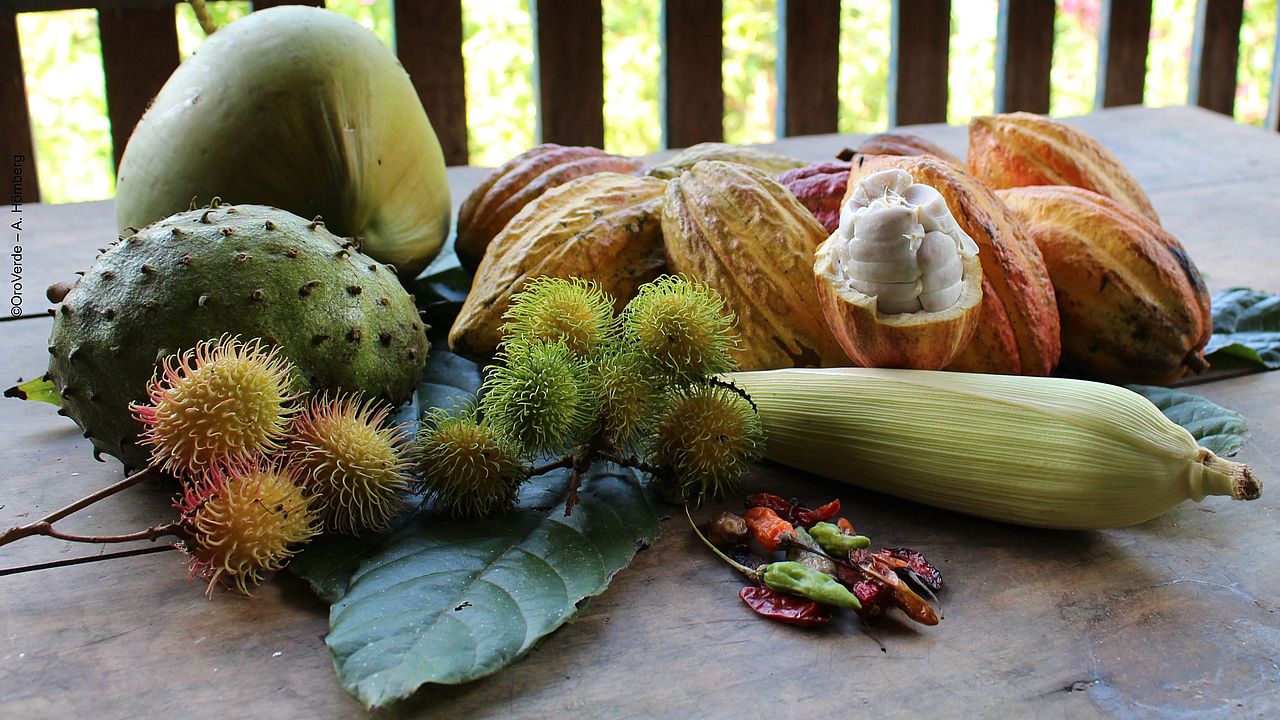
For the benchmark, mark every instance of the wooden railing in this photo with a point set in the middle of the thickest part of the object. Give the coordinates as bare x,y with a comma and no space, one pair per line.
140,50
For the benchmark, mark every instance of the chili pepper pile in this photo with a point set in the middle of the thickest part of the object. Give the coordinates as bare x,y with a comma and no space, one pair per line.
828,565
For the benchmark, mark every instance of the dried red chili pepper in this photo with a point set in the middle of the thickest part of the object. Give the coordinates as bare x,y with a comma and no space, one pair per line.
921,570
792,511
767,527
779,505
873,594
846,527
788,609
808,518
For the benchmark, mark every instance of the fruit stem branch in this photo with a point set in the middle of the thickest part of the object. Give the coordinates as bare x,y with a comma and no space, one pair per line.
43,525
564,462
151,533
86,559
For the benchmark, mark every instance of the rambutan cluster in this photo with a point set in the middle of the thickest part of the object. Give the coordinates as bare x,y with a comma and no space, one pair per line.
263,468
577,381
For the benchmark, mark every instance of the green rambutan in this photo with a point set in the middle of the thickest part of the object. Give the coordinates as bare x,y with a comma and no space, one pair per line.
244,519
344,451
706,436
541,395
221,402
576,311
468,468
626,390
682,326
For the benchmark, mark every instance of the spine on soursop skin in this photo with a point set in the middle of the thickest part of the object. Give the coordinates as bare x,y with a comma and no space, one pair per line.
339,316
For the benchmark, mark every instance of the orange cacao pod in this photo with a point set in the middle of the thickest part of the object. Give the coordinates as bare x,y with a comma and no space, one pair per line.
603,227
1134,308
1020,149
517,182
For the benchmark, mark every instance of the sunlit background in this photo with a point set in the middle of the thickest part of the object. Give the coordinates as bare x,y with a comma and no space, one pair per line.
63,64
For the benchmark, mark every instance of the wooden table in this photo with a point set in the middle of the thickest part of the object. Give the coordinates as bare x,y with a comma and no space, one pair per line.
1174,617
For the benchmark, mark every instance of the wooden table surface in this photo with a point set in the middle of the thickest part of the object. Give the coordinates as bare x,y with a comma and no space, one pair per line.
1176,617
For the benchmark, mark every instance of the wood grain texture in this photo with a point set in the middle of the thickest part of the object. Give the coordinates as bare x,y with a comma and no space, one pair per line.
569,71
921,37
429,44
1215,53
139,52
1122,52
692,83
15,118
1024,54
809,51
1178,614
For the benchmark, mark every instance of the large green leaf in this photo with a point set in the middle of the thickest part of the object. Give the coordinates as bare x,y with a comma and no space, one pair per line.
451,601
1221,430
1246,325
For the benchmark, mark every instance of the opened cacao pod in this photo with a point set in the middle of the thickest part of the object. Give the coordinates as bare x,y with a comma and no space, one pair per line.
1018,330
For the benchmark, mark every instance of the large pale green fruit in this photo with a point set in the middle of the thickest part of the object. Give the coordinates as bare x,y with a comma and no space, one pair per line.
301,109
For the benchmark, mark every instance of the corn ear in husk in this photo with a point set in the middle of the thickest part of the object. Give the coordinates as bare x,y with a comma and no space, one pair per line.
1045,452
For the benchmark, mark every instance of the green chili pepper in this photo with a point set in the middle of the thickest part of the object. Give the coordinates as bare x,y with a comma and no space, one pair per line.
835,542
797,579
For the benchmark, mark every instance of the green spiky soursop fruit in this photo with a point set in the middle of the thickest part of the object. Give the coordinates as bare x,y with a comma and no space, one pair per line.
340,317
301,109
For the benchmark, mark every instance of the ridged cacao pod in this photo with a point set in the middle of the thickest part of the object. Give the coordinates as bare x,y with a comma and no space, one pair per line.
1134,308
820,187
603,227
905,144
1018,331
1021,149
769,161
510,187
739,231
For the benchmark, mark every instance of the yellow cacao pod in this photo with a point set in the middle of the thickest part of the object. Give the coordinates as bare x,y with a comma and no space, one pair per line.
749,238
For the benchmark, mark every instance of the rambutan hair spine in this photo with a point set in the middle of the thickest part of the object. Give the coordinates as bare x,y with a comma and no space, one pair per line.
221,402
243,520
359,465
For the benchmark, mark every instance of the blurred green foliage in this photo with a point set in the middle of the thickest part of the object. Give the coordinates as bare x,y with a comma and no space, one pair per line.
63,67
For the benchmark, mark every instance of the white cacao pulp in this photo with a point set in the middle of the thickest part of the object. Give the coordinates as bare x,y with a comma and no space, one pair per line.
899,243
